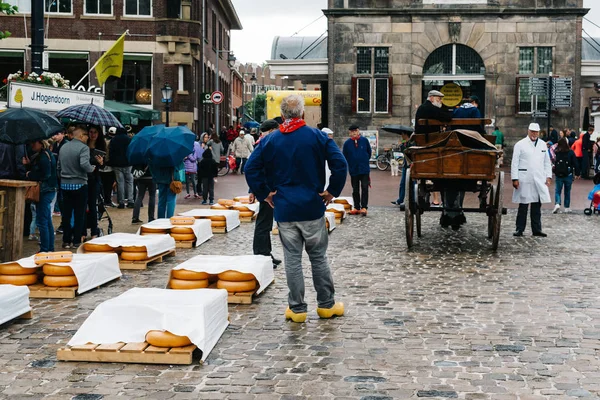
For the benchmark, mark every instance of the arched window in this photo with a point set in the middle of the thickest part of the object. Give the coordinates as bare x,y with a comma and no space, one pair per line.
454,59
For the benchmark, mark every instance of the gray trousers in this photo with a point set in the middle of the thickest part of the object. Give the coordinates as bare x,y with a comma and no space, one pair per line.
124,184
311,235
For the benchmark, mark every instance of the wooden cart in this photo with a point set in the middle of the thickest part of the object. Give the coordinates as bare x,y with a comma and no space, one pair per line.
462,160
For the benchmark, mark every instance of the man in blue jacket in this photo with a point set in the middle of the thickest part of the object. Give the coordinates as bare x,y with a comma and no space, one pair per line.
357,151
287,170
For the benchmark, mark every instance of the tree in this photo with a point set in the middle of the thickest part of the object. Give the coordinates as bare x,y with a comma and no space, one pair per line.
260,103
7,9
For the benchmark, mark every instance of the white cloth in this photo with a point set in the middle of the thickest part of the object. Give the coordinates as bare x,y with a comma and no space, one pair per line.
338,207
331,218
154,244
91,270
201,228
14,302
259,266
252,207
327,176
199,314
531,166
350,200
232,217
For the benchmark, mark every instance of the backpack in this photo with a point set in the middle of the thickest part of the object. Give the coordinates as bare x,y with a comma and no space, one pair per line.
562,166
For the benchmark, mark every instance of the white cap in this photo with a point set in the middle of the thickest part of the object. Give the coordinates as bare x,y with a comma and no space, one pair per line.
534,126
326,130
112,129
435,93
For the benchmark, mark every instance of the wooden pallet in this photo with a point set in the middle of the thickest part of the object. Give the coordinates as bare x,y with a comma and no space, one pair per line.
27,315
338,221
185,244
143,264
139,353
275,231
41,291
219,229
239,297
248,219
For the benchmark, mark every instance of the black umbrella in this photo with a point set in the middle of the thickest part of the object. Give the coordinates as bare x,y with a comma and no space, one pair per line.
398,129
24,125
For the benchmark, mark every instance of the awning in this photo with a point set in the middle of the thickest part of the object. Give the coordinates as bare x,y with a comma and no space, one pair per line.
142,113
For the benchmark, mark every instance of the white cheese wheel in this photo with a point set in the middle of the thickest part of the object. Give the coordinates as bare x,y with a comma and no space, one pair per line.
54,256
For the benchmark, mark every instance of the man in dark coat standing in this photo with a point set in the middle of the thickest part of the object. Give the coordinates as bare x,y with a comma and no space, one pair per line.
432,109
357,151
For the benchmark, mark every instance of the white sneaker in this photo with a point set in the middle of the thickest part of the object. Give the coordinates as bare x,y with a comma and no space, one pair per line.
556,208
567,210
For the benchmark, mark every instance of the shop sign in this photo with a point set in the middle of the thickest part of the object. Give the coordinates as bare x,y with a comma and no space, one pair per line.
453,94
48,98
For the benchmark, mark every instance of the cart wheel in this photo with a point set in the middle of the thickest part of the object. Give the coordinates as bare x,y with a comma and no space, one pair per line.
418,210
497,217
409,210
382,163
491,201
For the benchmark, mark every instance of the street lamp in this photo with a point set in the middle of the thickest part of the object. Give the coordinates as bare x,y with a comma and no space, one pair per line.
253,83
167,97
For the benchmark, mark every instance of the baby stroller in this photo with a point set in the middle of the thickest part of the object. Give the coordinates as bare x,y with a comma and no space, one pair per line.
594,197
103,215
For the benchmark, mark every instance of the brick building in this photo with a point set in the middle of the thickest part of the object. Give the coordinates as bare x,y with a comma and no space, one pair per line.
167,44
385,55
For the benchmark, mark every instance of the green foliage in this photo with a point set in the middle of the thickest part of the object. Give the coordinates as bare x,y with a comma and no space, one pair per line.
8,10
261,103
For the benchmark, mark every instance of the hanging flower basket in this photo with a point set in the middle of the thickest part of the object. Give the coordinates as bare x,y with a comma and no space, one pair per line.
46,78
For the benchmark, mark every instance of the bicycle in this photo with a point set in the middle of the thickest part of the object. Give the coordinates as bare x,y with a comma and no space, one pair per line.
223,166
383,160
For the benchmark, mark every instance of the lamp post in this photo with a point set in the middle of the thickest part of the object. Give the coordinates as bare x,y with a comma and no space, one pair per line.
167,96
253,80
230,60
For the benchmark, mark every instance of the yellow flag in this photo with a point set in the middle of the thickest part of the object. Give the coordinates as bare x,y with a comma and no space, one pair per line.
111,62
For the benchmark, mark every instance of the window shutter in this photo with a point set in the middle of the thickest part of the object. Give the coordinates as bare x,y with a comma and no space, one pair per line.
354,94
390,94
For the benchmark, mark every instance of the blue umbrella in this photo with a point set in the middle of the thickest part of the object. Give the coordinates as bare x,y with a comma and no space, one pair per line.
138,148
251,124
90,114
168,147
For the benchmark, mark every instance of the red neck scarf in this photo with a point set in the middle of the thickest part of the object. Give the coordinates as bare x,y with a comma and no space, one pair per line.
290,125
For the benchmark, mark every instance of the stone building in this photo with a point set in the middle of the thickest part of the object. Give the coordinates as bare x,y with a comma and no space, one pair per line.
385,55
167,44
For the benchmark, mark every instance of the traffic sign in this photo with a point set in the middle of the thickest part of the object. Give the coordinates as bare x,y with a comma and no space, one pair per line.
217,97
539,114
539,86
206,98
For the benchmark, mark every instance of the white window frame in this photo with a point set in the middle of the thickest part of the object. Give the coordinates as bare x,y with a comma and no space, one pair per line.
15,3
47,11
138,8
180,80
534,98
112,8
372,77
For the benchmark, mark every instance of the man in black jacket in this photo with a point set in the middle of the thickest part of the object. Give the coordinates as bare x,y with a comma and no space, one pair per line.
586,147
118,161
432,109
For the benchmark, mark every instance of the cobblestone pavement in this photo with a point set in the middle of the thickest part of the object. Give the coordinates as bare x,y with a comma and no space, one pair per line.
448,319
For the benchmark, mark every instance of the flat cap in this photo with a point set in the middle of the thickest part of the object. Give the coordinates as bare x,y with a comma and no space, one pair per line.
353,127
326,130
435,93
268,125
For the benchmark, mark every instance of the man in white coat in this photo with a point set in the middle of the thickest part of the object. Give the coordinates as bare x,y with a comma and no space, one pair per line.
531,174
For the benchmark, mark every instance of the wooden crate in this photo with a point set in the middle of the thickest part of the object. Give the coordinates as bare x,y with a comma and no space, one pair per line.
248,219
240,297
27,315
185,244
139,353
219,229
143,264
41,291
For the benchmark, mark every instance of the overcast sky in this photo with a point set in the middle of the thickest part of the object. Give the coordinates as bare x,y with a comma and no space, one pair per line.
264,19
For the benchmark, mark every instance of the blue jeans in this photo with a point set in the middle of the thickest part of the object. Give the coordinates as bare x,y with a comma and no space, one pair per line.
567,182
33,208
402,192
311,236
44,221
166,201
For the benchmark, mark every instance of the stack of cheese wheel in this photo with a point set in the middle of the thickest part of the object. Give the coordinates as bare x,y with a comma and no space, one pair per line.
98,248
347,205
183,279
217,221
219,207
245,212
339,214
182,231
14,274
134,253
59,276
236,282
242,199
166,339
